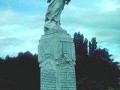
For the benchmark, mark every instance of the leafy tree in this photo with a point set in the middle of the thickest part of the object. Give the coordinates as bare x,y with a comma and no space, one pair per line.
95,70
20,73
92,46
81,45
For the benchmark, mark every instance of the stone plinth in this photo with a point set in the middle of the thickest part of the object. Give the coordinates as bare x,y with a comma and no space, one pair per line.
56,55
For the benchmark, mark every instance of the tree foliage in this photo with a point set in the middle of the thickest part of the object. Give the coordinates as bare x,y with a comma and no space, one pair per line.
95,70
19,73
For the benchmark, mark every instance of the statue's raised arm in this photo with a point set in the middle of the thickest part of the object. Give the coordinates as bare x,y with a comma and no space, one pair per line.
53,14
67,1
48,1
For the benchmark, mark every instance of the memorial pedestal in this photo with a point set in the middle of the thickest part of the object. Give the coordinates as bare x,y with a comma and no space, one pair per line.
56,54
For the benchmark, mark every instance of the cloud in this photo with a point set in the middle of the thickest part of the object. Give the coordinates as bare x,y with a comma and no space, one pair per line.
9,17
18,33
111,6
23,7
89,16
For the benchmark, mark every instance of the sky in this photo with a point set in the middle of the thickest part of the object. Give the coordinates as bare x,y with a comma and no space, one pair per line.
22,22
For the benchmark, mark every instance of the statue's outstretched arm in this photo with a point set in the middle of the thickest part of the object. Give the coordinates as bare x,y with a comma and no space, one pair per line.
48,1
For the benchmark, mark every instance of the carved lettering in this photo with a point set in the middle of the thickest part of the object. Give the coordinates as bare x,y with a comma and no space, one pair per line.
67,79
48,79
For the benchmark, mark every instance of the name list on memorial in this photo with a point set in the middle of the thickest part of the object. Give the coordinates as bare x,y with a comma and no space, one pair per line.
67,79
48,79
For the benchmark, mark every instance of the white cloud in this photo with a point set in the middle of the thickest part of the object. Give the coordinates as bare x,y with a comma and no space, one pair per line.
110,6
18,33
8,17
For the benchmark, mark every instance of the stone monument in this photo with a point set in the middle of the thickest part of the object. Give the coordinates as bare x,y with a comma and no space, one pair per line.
56,52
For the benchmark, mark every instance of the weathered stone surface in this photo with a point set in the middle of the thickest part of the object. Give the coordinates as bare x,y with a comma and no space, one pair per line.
57,58
52,18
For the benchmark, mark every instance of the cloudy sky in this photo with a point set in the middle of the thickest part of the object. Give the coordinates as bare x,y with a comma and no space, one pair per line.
22,22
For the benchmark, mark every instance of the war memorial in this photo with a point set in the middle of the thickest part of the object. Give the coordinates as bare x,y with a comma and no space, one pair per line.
56,52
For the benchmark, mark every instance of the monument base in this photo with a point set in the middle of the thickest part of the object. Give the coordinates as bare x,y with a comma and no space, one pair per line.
56,55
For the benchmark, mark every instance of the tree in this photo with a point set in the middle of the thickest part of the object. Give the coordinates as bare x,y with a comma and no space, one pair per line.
95,70
92,46
81,45
20,72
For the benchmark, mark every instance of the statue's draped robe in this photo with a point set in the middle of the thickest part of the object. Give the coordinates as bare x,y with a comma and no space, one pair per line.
54,10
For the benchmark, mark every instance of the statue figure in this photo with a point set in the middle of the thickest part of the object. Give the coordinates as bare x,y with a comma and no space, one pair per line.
52,18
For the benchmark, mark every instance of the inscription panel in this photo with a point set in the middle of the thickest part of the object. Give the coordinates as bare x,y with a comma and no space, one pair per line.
48,79
67,79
